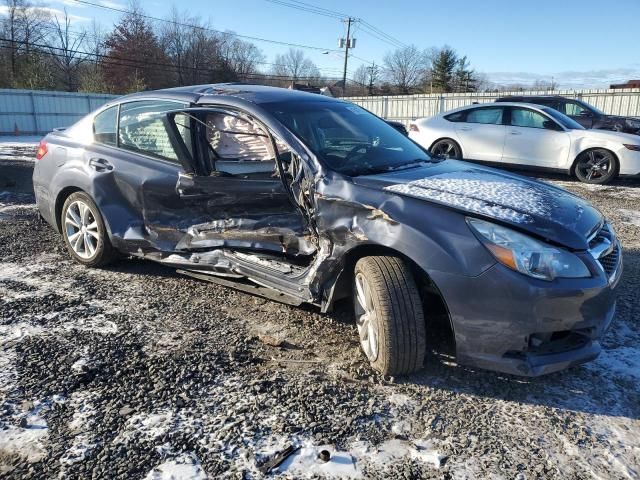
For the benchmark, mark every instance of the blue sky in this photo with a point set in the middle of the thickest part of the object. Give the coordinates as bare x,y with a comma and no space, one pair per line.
582,43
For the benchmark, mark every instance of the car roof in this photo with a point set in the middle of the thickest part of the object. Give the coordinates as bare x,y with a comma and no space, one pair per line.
533,106
218,91
519,98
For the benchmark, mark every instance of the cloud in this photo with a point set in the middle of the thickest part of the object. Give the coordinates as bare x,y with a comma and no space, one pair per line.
110,4
597,78
54,12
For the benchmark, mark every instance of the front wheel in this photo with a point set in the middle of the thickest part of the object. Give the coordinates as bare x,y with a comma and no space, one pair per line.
596,166
84,232
389,315
446,148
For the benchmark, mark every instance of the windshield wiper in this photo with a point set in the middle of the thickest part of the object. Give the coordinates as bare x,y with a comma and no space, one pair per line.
392,168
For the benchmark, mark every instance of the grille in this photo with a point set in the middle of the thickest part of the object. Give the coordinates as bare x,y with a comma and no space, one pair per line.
606,250
610,262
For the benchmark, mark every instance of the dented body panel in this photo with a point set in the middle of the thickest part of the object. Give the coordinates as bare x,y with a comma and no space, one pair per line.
295,227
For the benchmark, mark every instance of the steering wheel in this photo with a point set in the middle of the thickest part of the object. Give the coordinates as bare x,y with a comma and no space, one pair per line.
356,153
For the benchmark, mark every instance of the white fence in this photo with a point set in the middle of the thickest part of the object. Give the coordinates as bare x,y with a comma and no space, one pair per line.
36,112
405,108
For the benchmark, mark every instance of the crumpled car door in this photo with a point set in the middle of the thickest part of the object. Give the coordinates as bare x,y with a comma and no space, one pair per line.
241,201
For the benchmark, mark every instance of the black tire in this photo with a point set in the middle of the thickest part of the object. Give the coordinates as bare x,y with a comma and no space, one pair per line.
102,252
596,166
446,148
398,317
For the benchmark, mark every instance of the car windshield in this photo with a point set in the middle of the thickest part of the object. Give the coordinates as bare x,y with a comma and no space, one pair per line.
588,106
348,138
562,119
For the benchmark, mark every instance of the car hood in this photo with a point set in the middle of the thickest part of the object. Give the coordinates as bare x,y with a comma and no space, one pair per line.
551,213
617,123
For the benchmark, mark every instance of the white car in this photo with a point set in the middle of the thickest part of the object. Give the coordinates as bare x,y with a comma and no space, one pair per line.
529,135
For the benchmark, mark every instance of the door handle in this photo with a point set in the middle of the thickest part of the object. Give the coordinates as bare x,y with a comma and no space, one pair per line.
100,165
514,132
466,129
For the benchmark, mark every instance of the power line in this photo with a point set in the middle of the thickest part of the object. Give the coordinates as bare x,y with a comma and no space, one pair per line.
248,37
382,34
369,28
77,34
306,9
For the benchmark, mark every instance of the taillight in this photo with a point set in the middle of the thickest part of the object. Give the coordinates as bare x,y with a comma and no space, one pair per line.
413,127
42,150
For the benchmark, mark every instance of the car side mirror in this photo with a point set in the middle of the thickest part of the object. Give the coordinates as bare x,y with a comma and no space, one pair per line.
550,125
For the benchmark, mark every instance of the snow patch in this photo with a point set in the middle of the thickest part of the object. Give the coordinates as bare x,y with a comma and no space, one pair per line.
395,450
622,362
305,463
29,440
631,217
184,467
81,425
484,193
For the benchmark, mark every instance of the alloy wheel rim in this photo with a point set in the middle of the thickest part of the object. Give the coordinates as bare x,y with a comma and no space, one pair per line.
445,150
366,318
595,165
81,229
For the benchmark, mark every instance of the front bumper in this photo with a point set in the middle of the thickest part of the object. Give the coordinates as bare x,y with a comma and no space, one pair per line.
508,322
629,162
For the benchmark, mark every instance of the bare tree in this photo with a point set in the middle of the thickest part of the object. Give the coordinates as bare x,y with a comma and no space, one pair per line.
405,68
24,25
66,52
242,57
367,76
91,76
294,64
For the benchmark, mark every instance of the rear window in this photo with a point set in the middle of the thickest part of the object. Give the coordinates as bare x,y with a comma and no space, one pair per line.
143,130
485,115
105,125
456,117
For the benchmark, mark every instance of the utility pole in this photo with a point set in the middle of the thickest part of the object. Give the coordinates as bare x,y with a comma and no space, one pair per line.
347,44
372,74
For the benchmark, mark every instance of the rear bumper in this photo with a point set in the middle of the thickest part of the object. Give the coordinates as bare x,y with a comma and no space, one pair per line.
511,323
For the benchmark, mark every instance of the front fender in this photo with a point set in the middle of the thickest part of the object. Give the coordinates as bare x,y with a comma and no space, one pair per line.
435,238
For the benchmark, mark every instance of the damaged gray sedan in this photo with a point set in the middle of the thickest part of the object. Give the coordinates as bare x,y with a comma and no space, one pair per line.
308,199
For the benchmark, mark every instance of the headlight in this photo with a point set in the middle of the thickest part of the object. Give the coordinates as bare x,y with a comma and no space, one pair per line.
525,255
633,123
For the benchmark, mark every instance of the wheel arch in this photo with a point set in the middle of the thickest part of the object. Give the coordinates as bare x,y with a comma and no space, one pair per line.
59,203
428,289
65,193
572,169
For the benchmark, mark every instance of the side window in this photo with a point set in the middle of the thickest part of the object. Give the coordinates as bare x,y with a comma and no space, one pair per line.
522,117
240,146
143,130
456,117
574,109
105,125
236,139
491,116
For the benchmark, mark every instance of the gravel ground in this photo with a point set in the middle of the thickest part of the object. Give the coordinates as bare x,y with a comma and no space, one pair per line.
136,372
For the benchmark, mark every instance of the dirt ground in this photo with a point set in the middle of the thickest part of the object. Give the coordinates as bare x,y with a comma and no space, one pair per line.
134,371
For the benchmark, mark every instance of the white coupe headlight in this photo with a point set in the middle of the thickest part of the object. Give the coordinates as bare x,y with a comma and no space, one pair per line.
526,255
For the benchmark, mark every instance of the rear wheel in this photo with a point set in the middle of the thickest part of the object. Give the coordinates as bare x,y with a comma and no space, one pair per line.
84,232
446,148
596,166
389,315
